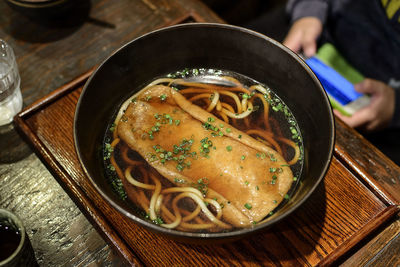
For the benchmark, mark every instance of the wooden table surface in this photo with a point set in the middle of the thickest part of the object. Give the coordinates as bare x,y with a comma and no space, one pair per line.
50,54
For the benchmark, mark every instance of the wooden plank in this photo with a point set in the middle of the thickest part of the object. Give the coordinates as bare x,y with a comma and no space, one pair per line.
364,158
96,218
382,250
334,220
50,53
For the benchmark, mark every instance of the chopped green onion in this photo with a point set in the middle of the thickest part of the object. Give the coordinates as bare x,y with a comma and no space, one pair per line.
248,206
274,178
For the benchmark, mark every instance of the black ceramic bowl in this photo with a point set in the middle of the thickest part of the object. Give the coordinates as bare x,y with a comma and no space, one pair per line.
205,46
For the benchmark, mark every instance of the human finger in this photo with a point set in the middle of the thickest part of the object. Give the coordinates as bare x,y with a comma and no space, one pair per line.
293,40
309,45
358,119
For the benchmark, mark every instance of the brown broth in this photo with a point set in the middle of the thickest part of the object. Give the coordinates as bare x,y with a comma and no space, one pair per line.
282,123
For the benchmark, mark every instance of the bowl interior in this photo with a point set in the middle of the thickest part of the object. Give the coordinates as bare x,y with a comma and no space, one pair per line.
205,46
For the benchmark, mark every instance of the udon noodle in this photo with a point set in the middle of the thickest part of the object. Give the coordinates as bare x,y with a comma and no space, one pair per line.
238,111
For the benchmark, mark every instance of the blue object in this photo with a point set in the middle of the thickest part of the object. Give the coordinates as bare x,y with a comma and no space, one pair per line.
334,84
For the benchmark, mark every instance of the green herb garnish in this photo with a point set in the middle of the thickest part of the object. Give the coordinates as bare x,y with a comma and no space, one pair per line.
274,178
205,145
163,97
248,206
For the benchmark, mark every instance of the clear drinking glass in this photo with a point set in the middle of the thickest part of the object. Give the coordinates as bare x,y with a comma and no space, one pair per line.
10,93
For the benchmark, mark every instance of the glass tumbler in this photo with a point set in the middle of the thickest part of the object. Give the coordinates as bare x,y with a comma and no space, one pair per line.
10,93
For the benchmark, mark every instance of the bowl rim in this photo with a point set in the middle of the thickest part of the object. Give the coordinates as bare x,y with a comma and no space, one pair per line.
36,4
218,235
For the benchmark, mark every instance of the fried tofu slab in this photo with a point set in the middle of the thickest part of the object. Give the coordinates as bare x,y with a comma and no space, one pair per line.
185,143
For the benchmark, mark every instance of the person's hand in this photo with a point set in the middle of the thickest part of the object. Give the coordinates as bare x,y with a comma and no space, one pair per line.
303,36
378,113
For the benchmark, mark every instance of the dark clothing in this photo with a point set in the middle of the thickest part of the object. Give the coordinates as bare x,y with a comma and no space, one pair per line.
367,34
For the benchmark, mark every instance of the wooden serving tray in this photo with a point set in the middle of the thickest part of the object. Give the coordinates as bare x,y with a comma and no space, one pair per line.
344,211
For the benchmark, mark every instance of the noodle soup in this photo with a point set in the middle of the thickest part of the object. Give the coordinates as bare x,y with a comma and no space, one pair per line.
204,156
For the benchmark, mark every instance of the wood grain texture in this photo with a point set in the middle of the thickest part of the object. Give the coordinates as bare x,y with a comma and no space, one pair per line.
56,130
51,54
362,157
60,234
382,250
339,215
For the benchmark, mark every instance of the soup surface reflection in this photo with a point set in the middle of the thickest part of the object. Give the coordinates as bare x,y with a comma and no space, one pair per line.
204,150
